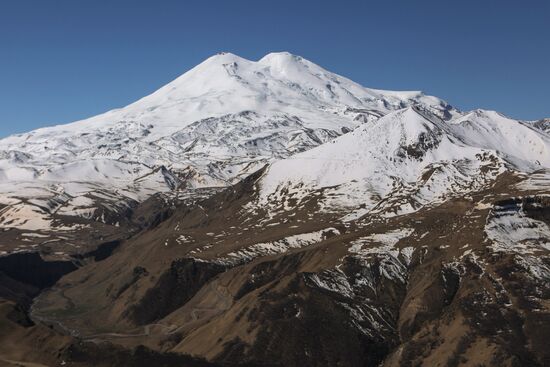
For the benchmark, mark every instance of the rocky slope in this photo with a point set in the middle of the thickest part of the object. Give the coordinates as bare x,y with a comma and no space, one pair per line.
543,125
273,213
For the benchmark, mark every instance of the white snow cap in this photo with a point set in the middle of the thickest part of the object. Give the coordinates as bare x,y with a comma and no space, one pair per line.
226,83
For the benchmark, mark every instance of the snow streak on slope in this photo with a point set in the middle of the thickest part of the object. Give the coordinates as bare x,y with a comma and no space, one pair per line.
279,246
511,229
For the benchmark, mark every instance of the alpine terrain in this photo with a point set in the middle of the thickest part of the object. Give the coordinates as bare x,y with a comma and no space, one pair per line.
272,213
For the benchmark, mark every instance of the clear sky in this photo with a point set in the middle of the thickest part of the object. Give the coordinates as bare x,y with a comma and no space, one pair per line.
64,60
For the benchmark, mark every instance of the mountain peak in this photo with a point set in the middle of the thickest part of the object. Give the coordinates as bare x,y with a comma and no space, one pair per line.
225,57
282,56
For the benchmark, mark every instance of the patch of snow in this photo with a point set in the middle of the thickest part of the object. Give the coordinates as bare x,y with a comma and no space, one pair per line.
281,246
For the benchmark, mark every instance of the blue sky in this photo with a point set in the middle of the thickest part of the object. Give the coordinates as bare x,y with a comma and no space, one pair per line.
64,60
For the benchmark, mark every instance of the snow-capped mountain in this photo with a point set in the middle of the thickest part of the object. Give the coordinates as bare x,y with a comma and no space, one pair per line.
228,117
214,125
225,96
